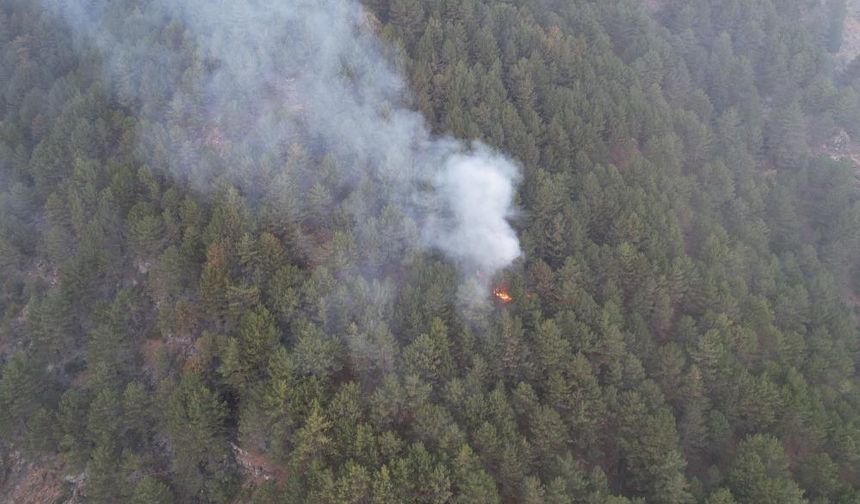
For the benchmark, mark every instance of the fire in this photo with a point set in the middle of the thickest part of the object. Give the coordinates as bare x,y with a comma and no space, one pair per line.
502,295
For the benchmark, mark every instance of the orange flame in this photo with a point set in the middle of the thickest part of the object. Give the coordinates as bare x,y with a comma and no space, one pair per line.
502,295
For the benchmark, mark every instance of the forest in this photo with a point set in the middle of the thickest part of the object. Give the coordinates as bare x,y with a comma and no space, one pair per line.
193,314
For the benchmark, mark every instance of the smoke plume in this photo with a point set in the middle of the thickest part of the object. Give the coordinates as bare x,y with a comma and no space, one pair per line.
266,74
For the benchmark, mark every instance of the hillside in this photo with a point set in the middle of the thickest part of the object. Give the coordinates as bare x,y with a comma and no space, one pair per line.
414,251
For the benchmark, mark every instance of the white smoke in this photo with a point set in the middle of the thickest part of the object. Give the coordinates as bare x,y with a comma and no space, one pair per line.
476,189
277,69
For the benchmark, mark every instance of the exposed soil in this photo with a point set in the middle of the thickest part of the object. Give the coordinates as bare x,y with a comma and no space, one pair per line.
257,467
850,48
44,483
842,147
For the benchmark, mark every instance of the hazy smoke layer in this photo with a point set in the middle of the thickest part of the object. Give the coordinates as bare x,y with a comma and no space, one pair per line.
276,69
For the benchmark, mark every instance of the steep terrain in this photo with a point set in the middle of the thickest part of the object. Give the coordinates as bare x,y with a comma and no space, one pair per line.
220,280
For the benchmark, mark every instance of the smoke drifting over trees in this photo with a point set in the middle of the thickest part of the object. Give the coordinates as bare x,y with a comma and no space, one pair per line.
270,71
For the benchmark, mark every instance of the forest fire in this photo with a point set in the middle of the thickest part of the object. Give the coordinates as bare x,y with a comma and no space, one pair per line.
502,295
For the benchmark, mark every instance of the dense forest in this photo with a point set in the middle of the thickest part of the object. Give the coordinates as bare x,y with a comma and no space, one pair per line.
186,318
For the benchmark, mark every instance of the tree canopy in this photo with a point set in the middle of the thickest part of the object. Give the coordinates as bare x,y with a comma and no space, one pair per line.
684,318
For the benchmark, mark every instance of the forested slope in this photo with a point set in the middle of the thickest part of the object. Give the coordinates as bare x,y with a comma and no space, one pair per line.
684,317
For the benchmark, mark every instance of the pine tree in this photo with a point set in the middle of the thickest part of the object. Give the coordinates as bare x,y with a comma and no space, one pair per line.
22,387
312,441
196,428
248,353
760,472
151,491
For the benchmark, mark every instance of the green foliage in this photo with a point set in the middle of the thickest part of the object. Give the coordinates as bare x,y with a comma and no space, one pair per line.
247,354
195,419
22,387
684,318
759,472
151,491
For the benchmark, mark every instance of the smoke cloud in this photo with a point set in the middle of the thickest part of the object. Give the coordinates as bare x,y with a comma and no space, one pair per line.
477,189
275,73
